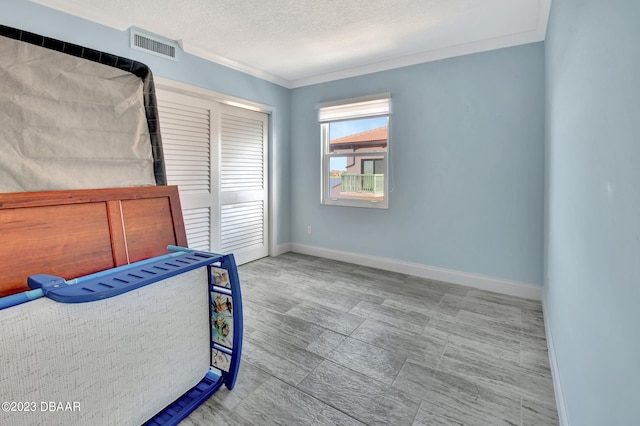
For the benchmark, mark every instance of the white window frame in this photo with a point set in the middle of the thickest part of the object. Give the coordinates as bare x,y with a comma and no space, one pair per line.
377,105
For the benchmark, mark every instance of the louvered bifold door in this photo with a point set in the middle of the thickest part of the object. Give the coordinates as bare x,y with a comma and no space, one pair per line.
188,130
243,183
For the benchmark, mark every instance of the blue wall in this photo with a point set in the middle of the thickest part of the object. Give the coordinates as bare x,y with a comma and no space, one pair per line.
470,171
189,69
467,153
467,160
592,267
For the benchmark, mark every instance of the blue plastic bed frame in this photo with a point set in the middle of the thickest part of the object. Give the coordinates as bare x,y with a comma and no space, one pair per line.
126,278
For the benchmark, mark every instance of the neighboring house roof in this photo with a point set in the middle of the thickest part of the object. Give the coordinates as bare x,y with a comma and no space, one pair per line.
369,138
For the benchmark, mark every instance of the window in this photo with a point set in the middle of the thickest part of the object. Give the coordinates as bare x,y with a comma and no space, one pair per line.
355,151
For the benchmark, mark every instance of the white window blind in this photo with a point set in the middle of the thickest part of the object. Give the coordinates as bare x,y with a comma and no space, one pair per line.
348,109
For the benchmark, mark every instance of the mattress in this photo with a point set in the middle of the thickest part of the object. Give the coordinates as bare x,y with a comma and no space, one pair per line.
116,361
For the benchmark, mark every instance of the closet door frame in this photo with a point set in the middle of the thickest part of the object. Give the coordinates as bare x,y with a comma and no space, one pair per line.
221,98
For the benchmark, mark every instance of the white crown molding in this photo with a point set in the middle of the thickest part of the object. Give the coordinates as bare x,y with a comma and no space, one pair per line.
204,54
76,8
553,362
424,57
497,285
533,36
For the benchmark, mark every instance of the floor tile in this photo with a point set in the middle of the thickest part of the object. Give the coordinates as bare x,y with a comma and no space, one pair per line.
326,317
536,413
485,368
438,286
325,295
502,376
374,293
366,399
327,342
368,359
341,288
271,298
379,275
496,312
485,344
472,330
451,399
425,305
533,322
249,378
212,413
259,269
511,329
310,271
277,403
400,318
441,322
536,386
488,296
534,355
295,330
451,304
279,357
425,350
331,265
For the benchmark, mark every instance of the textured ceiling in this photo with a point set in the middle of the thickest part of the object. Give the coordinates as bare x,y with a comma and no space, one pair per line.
300,42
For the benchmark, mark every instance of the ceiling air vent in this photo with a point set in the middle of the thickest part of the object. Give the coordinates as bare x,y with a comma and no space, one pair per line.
153,45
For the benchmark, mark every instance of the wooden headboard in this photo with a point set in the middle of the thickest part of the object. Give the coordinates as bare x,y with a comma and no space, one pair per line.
79,232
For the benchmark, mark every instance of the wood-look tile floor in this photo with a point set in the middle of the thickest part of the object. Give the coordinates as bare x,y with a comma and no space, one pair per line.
331,343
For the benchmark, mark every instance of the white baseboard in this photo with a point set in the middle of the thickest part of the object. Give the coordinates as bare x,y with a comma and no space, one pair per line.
553,362
511,288
279,249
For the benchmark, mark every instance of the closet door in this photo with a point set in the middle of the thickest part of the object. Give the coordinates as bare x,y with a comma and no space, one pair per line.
243,183
187,128
217,155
